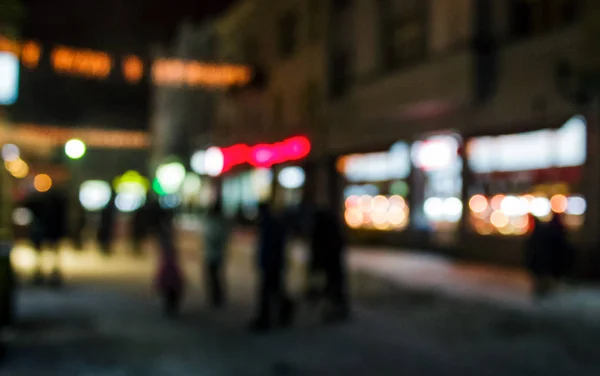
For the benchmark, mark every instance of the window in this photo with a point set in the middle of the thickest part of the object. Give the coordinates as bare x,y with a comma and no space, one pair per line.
404,31
288,38
312,101
531,17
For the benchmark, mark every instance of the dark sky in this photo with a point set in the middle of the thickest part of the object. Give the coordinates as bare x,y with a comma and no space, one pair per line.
115,26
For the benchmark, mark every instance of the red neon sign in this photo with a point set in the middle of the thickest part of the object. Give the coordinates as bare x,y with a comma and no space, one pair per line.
265,155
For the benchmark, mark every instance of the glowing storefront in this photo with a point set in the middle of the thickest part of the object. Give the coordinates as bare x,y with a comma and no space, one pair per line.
536,173
376,189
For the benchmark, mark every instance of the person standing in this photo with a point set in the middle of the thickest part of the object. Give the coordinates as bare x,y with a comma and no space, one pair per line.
106,227
270,254
326,268
169,279
216,237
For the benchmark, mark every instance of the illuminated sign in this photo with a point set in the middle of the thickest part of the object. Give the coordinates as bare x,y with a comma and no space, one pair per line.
565,147
174,72
86,63
392,164
9,78
219,160
435,153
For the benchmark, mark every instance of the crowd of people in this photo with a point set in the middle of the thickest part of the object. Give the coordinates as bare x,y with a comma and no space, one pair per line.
320,228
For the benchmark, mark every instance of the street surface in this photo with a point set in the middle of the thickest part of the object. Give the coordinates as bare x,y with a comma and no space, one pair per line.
413,315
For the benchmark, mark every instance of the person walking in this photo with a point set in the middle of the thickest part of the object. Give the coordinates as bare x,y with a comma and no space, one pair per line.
106,227
169,277
326,270
271,260
216,237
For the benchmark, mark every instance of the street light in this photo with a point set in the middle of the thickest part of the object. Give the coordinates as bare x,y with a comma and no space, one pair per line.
75,149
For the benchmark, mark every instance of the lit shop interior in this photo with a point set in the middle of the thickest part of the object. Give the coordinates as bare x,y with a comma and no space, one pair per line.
248,176
376,189
420,186
536,172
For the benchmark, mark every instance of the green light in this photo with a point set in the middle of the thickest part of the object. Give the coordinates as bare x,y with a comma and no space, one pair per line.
75,149
156,187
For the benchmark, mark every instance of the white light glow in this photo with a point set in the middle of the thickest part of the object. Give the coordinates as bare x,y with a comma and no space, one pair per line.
540,207
372,167
75,149
9,78
576,205
435,153
541,149
434,208
198,162
94,194
291,177
452,209
128,202
10,152
513,206
22,216
214,161
171,176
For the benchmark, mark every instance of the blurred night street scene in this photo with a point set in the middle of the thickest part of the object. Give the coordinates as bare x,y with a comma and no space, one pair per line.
300,187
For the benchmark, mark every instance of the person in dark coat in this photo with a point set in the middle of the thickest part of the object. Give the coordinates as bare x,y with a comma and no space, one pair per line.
271,267
216,239
139,229
327,271
561,251
106,227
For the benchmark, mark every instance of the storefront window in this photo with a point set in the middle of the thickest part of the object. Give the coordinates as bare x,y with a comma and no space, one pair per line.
438,179
243,192
376,189
537,173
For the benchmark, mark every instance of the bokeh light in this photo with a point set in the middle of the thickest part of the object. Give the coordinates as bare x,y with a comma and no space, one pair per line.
94,195
75,149
22,217
171,176
291,177
499,219
42,183
478,204
540,207
559,204
10,152
17,168
576,205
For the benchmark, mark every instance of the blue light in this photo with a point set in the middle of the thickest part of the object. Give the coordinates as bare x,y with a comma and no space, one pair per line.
9,78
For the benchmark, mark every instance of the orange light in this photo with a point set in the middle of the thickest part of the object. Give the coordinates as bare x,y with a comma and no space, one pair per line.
133,69
380,204
353,217
86,63
499,219
478,203
484,228
521,222
397,203
496,202
558,203
8,45
42,183
30,54
174,72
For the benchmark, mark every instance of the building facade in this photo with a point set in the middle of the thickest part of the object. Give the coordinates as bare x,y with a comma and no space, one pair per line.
436,124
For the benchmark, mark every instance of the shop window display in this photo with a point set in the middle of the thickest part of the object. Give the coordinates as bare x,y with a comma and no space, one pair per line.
537,173
376,189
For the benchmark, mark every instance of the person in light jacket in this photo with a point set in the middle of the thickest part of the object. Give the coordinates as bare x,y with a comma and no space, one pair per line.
216,238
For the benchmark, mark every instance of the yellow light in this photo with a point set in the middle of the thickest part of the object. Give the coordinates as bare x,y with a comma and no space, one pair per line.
365,203
499,219
507,230
42,183
520,222
558,203
397,202
86,63
478,203
17,168
353,218
397,217
379,204
496,202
